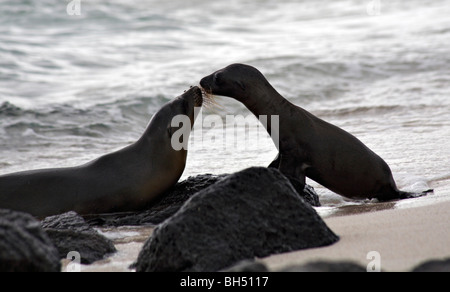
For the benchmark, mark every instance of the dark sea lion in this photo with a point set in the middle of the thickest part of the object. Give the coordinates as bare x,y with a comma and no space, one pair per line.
125,180
309,146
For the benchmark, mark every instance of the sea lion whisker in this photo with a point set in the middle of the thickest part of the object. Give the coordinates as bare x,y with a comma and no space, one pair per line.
210,101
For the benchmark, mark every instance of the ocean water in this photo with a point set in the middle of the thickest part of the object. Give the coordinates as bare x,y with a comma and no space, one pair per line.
74,87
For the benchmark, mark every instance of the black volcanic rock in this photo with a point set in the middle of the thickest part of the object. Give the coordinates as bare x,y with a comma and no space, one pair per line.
67,221
433,266
326,267
247,266
160,210
24,246
69,232
171,202
312,267
253,213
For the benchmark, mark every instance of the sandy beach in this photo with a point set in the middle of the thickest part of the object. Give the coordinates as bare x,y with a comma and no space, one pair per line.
404,238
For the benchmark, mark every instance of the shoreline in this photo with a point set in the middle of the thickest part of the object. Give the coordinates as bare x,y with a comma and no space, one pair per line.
404,233
404,239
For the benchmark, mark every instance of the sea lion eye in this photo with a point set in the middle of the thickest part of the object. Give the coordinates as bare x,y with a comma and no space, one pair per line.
217,78
241,85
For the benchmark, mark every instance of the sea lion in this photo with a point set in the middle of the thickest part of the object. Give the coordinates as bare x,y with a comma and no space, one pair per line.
125,180
309,146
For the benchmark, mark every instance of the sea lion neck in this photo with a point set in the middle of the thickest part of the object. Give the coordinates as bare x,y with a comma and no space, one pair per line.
264,100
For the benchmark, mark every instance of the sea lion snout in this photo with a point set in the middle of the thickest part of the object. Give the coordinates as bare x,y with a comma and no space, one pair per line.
231,81
198,96
206,84
216,84
194,95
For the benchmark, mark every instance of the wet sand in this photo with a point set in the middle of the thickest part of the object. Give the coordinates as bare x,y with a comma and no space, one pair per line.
128,242
404,238
404,233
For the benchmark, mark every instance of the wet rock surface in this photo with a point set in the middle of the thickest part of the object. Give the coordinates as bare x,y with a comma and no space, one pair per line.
70,233
67,221
253,213
24,246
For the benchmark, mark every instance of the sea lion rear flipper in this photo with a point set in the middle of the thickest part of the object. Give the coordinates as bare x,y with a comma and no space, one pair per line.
407,195
400,195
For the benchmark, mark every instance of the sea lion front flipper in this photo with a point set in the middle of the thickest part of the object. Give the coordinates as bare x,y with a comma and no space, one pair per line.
290,169
310,195
305,191
294,171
